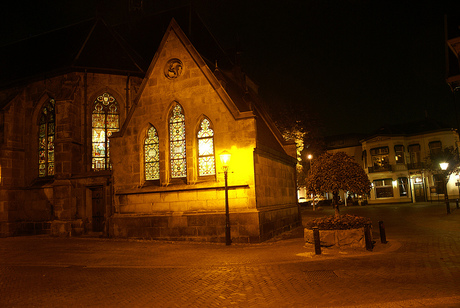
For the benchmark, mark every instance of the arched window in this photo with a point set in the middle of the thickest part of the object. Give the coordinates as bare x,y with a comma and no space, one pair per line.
177,143
46,133
206,161
152,155
105,121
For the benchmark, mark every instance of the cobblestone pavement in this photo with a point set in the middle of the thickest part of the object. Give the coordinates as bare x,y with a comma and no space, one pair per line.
418,267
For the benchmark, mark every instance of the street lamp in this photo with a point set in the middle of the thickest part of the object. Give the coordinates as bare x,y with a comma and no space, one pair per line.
225,160
310,157
444,167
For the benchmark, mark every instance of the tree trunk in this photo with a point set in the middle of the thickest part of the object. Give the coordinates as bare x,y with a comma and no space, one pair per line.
335,203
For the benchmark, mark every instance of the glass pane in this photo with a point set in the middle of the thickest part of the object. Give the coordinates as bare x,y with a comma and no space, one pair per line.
112,121
98,120
41,157
205,147
98,163
51,168
205,131
177,143
46,133
152,155
206,165
152,171
42,170
105,121
206,161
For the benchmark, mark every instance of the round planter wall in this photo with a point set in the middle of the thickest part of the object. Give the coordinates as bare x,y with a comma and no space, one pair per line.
351,238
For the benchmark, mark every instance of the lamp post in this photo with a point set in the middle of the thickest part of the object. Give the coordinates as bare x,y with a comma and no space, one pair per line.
225,160
444,167
310,157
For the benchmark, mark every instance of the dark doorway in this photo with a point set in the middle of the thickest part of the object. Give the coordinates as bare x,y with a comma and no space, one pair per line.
98,206
419,193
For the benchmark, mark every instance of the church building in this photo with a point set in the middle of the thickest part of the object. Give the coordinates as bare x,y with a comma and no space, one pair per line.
118,131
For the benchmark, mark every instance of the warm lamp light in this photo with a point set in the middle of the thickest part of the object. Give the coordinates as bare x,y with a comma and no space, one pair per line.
309,156
225,159
444,166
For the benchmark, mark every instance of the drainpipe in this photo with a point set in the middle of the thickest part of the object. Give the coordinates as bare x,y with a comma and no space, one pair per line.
85,121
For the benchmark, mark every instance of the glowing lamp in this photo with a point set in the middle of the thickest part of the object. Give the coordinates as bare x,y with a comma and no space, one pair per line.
309,156
444,166
225,159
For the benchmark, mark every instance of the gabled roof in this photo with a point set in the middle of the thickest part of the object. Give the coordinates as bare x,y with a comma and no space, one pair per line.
95,46
89,45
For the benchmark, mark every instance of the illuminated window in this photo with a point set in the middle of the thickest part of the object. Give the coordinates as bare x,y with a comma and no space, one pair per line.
177,143
380,161
105,121
399,154
403,186
46,140
206,161
152,155
383,188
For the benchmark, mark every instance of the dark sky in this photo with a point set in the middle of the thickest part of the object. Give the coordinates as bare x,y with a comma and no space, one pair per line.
356,65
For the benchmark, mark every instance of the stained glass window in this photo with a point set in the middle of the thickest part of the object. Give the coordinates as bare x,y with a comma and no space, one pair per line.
177,143
206,161
105,121
152,155
46,132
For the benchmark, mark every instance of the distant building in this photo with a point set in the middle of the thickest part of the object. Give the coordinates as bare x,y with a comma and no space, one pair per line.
117,130
394,159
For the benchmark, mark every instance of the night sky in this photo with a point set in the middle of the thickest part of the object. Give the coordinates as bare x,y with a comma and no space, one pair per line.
356,65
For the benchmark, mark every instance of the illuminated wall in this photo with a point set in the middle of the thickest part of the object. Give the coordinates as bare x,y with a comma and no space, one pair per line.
193,206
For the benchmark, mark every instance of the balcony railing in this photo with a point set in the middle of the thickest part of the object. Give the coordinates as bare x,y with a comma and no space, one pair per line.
382,168
395,168
413,166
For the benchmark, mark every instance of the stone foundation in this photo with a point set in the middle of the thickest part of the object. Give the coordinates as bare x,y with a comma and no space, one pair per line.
246,227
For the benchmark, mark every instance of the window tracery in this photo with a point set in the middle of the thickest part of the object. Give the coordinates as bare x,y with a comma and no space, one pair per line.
206,160
177,153
152,155
105,121
46,137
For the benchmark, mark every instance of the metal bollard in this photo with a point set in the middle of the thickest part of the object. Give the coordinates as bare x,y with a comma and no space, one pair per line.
457,203
368,237
317,240
447,206
383,237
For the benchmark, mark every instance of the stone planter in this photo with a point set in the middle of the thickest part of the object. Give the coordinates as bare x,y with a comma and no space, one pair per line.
351,238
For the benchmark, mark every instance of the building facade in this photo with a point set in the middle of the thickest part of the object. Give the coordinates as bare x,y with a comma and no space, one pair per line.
106,143
395,157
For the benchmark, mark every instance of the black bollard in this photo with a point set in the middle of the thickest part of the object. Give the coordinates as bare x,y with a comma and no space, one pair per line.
457,204
317,240
368,237
383,237
447,206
